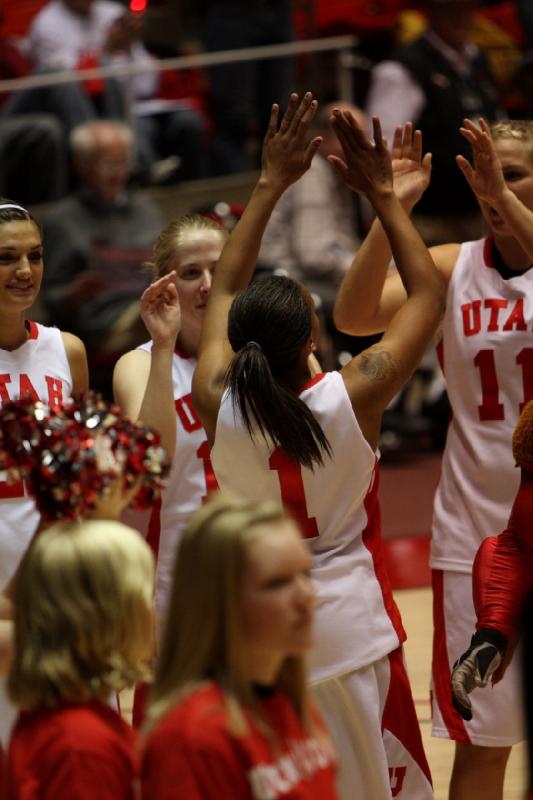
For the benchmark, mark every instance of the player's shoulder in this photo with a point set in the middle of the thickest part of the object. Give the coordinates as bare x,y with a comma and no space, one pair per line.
199,720
139,357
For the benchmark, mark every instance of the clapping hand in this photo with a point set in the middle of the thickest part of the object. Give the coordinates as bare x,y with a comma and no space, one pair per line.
411,171
366,167
160,310
286,155
484,176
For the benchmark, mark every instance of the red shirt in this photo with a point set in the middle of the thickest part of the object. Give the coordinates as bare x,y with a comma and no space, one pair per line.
71,753
191,754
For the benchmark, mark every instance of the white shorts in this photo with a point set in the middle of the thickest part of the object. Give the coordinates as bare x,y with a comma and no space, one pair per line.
497,714
372,720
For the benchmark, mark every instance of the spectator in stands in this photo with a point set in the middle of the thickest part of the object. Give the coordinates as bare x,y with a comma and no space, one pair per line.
32,146
96,240
525,12
435,82
73,34
242,93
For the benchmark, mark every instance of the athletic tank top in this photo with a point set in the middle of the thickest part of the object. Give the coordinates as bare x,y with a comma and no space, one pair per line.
336,507
487,357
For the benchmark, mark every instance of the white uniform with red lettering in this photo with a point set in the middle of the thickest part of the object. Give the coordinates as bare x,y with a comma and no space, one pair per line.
487,353
358,627
191,479
38,368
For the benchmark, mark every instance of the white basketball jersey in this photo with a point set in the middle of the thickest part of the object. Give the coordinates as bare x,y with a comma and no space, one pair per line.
191,479
336,506
38,368
487,353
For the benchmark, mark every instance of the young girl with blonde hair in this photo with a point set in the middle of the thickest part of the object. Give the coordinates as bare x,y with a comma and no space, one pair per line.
229,715
83,622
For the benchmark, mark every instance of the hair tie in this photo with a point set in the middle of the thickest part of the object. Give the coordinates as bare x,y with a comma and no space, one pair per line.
13,205
256,345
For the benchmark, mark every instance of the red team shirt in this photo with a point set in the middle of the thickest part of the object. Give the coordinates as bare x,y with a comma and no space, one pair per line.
79,752
192,754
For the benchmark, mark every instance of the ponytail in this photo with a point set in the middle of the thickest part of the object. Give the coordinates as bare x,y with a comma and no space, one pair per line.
268,326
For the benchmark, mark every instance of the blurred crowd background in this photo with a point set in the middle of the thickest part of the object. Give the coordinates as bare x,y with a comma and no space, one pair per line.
107,160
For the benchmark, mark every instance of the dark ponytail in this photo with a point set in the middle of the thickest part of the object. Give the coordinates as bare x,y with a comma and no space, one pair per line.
269,324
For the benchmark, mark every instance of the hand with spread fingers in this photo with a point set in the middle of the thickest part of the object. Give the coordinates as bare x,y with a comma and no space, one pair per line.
366,167
160,310
286,154
484,175
476,667
411,171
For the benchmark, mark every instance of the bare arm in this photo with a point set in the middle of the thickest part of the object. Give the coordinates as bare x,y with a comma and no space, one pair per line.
375,376
6,645
486,179
142,382
367,299
77,359
286,156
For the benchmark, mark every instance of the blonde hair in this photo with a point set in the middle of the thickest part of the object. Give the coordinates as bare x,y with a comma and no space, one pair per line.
204,636
83,601
517,129
172,236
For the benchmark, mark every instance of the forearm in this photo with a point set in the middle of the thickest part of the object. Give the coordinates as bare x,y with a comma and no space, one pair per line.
502,575
357,305
157,407
6,646
503,567
415,265
519,218
6,606
237,262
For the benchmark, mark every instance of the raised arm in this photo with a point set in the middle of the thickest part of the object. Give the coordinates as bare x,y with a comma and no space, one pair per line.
367,299
286,156
486,179
142,382
376,375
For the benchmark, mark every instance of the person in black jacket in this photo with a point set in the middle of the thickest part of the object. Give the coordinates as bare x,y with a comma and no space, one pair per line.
436,81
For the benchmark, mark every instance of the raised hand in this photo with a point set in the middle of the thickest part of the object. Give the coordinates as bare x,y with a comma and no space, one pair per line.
484,176
411,172
286,154
367,166
160,310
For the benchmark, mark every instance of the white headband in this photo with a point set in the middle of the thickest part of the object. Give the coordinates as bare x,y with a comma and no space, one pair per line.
12,205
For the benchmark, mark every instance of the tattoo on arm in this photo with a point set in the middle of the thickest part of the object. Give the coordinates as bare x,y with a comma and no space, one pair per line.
378,364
